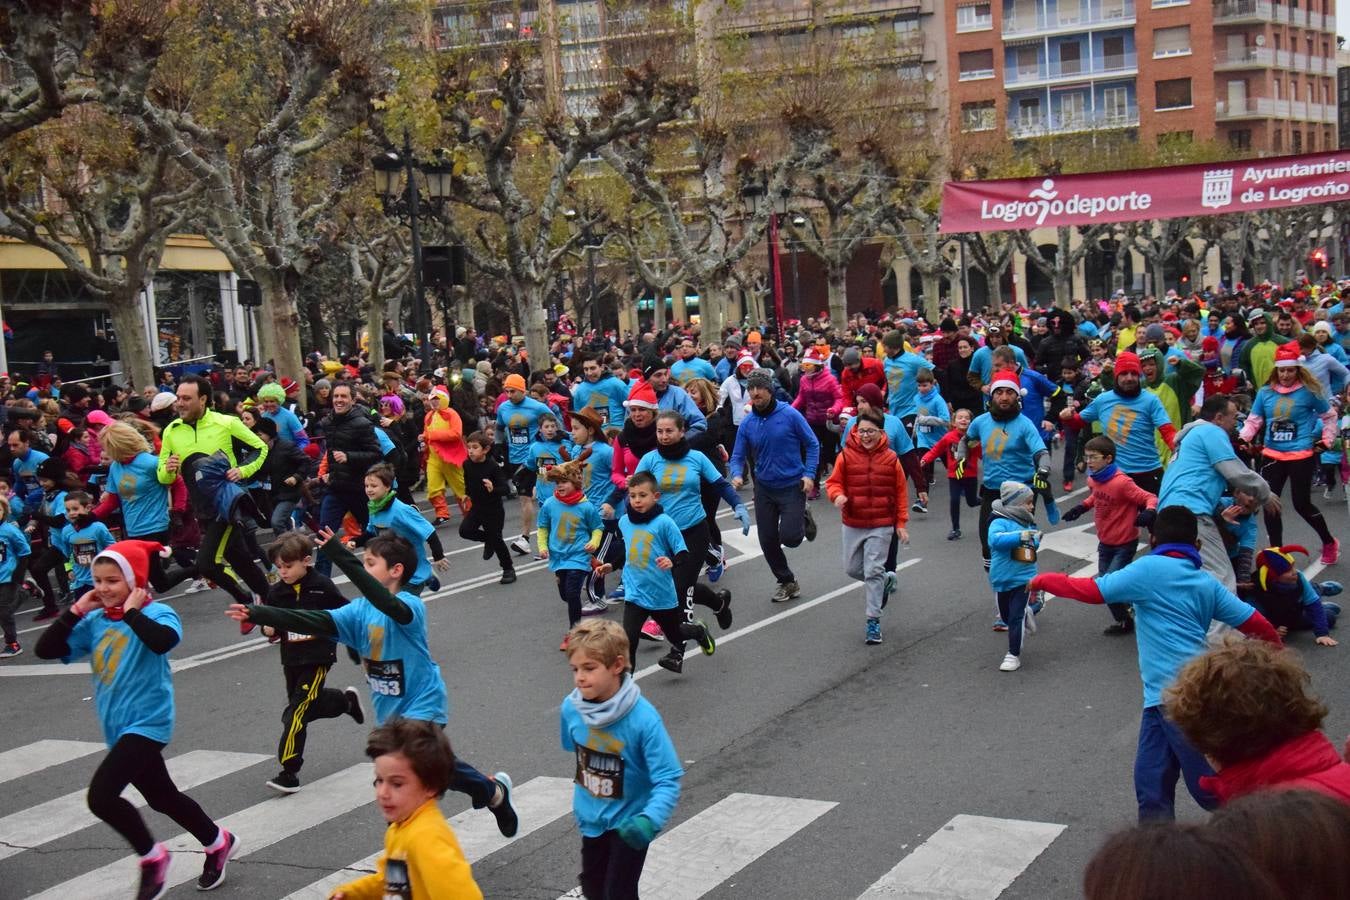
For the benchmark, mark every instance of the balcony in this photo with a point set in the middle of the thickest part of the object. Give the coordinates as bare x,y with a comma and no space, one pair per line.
1251,108
1068,19
1242,12
1066,71
1045,126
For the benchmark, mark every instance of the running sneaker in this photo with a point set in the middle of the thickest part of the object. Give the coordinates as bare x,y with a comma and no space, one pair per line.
1119,629
10,650
1326,493
1333,612
716,569
594,608
809,526
285,782
919,507
508,823
1068,486
197,586
1010,663
46,613
1329,588
724,611
787,590
874,631
1000,625
213,870
651,631
954,534
888,589
672,661
520,546
508,577
616,594
354,707
439,521
154,876
1331,552
705,638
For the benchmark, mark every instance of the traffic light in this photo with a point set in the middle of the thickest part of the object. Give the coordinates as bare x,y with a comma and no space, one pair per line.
1317,262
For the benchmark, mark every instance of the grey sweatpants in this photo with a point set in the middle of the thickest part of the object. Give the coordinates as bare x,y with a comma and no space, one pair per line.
1214,558
865,560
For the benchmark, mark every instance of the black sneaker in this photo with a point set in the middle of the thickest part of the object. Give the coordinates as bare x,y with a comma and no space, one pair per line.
154,878
508,823
672,662
724,611
954,534
705,638
46,613
786,591
285,782
1119,629
439,521
487,551
810,527
354,707
213,870
508,577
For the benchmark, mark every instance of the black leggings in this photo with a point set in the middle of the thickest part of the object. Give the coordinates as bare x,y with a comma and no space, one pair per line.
967,488
224,543
674,624
829,447
485,527
50,560
687,586
1299,473
711,498
139,761
162,580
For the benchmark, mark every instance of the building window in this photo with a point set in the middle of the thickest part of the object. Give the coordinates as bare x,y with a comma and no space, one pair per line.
1297,145
977,64
1174,93
1115,103
910,72
976,17
1174,41
1277,142
1240,139
1160,3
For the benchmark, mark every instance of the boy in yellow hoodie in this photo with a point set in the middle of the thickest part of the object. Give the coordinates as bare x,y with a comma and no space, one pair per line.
422,858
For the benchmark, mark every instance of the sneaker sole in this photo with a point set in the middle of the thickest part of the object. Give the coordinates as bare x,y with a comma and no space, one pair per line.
508,789
281,788
873,641
707,644
354,697
234,851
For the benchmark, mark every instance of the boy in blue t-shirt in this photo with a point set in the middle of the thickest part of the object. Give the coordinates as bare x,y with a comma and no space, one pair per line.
651,547
81,540
628,776
388,513
1174,600
569,532
545,453
387,626
1236,516
14,553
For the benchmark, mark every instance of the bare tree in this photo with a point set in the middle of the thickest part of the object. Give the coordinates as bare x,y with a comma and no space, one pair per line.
1060,268
990,253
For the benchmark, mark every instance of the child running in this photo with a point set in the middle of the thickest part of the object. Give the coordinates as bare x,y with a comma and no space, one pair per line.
82,539
486,486
387,625
569,532
305,659
1119,508
14,554
127,637
1175,600
1013,539
388,513
628,776
963,468
651,546
414,767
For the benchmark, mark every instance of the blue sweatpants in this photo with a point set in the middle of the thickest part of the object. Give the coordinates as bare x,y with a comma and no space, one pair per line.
1163,755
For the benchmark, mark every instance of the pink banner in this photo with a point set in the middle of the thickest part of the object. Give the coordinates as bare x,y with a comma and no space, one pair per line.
1166,193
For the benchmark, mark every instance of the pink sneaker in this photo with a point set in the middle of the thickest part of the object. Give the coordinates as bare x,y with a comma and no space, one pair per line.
652,632
1331,552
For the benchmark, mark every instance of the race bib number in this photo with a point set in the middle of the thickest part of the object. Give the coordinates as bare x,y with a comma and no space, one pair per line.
1283,430
925,429
385,676
600,774
604,413
293,638
519,438
84,555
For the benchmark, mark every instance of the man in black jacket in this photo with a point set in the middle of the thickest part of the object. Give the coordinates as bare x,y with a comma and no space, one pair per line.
351,448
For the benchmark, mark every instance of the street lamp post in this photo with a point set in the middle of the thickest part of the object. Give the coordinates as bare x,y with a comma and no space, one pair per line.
408,208
591,241
798,222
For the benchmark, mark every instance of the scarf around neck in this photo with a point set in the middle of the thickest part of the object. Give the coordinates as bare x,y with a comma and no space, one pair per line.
638,518
639,440
1182,551
1017,513
571,498
1104,474
380,505
599,714
677,450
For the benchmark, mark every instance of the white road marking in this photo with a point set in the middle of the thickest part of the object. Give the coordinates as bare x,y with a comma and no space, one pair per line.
539,802
40,755
714,845
57,818
969,858
257,827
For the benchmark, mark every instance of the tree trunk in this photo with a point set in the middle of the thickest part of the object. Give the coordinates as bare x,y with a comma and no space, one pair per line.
375,309
529,303
319,335
931,283
838,294
133,348
713,312
279,327
1063,286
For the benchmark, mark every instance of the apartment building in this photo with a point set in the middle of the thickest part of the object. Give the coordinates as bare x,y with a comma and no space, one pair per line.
1258,74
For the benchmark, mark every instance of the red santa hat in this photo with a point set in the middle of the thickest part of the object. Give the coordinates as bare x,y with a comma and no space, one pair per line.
133,558
1006,378
642,396
1287,355
813,358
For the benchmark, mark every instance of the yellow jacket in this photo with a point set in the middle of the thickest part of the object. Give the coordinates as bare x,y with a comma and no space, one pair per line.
437,869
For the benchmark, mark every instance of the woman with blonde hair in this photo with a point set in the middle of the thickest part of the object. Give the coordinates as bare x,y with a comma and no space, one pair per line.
133,483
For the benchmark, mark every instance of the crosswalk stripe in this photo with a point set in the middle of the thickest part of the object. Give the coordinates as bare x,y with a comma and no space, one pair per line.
969,858
48,821
538,803
43,754
258,827
707,849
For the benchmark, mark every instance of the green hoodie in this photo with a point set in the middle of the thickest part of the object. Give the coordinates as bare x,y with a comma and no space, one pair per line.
1174,389
1257,358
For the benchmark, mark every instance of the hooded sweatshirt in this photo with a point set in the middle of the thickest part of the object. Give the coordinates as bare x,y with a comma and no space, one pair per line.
1257,356
1175,389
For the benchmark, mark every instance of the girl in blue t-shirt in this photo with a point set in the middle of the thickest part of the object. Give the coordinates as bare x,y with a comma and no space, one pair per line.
388,513
133,484
127,638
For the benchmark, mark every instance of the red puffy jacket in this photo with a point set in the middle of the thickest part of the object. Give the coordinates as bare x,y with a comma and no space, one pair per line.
874,483
1309,762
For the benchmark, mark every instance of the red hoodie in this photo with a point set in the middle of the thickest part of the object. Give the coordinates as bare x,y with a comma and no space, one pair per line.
1309,762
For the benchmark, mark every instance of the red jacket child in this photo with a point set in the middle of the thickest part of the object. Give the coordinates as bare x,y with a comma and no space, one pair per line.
1308,762
1115,501
874,483
946,449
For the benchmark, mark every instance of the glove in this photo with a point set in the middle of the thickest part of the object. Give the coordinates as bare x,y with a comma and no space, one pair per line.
1074,513
637,832
1041,480
960,470
743,516
1145,518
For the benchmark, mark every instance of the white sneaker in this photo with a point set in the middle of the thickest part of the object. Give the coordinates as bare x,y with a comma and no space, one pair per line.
197,586
1010,664
593,608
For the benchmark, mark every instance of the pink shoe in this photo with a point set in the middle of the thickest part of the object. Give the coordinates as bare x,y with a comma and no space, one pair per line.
652,632
1331,552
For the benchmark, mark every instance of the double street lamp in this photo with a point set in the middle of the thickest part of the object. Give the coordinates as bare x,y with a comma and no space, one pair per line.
422,182
591,241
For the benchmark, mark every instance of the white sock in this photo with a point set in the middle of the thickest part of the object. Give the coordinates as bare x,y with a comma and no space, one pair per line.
156,852
219,842
497,797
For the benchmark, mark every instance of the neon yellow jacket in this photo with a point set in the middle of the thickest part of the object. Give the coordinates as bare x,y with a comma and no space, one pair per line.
213,431
437,869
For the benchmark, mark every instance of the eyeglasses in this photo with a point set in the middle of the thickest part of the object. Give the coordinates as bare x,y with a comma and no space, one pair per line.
864,432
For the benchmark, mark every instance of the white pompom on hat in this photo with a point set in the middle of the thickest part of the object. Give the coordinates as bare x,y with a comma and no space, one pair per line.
1007,378
133,558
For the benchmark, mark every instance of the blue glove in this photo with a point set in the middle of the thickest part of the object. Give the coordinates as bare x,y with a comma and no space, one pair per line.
743,516
1329,588
1074,513
637,832
1145,518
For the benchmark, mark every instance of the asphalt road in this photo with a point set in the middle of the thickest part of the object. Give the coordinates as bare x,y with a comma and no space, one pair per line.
856,759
